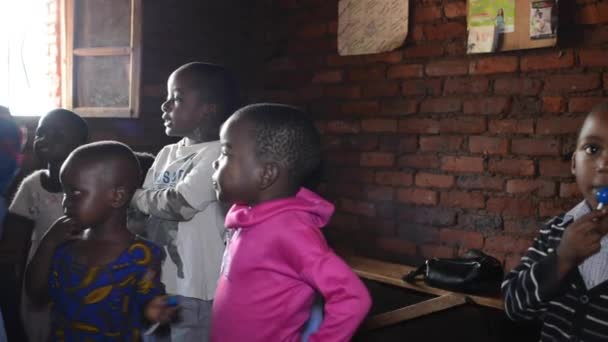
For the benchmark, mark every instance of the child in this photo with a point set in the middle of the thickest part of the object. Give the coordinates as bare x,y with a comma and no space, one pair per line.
37,203
277,257
177,193
562,278
102,283
136,220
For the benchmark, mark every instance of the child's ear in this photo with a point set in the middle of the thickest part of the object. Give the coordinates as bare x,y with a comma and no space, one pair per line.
573,163
119,197
269,173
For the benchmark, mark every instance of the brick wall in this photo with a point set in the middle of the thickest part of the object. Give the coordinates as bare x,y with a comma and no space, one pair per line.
431,151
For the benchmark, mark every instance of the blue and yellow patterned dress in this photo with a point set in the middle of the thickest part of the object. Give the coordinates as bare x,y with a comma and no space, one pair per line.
104,303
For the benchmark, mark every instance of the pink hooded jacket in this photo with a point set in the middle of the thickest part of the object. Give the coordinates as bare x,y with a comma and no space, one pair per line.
276,259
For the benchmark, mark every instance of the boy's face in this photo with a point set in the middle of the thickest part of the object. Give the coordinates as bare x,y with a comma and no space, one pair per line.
237,170
55,138
87,196
590,160
183,111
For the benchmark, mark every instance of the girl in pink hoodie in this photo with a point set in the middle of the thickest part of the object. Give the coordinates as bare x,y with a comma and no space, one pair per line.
277,258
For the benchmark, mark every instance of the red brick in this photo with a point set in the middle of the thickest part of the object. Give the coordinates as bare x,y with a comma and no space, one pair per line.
435,216
605,77
392,57
569,190
360,108
488,145
346,221
381,89
462,199
595,13
535,147
417,196
423,51
550,60
396,246
430,87
509,244
367,74
465,86
525,126
379,125
559,125
584,104
539,187
524,228
571,83
312,31
463,124
433,180
447,68
555,168
339,61
493,65
405,71
440,143
408,144
462,164
343,91
358,207
553,104
445,31
342,126
419,161
517,86
593,57
399,107
380,193
419,126
514,167
550,208
486,105
357,175
347,189
343,158
426,14
395,178
441,105
461,238
456,48
435,251
480,183
455,9
510,206
377,159
417,33
513,260
327,76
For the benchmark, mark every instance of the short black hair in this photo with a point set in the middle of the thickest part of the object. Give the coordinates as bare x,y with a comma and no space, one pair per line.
78,125
112,154
286,135
216,84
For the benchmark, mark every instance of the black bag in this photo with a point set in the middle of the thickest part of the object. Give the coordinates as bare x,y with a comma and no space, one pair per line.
473,273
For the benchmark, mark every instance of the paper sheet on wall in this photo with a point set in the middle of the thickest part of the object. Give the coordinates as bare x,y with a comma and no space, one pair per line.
371,26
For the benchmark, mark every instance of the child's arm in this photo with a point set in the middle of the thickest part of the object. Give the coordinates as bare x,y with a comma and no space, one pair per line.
347,300
190,195
38,270
538,278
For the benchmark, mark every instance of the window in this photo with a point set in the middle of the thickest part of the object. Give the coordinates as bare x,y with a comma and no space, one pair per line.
84,55
101,41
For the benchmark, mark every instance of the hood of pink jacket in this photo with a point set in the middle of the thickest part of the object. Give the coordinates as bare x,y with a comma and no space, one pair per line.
305,201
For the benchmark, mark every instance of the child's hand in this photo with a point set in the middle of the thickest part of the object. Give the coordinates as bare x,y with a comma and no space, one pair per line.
161,309
64,229
581,240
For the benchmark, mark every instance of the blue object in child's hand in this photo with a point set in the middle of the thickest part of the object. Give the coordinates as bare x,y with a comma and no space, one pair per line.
602,197
171,301
315,320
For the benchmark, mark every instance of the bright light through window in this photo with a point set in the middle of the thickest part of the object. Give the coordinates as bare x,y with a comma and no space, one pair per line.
25,83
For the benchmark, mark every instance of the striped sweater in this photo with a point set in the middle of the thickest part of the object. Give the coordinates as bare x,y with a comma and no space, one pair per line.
568,311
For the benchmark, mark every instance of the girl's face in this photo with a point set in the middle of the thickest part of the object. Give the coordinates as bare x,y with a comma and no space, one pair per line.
55,138
238,171
590,159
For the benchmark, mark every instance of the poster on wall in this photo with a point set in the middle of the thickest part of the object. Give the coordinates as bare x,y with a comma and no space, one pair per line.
503,25
371,26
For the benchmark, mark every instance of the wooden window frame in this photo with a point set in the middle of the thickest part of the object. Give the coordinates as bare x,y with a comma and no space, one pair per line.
68,52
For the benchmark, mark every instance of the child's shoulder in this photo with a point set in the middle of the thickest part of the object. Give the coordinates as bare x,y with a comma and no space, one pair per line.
145,248
33,179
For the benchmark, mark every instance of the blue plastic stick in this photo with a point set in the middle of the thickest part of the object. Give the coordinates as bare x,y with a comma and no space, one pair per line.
602,197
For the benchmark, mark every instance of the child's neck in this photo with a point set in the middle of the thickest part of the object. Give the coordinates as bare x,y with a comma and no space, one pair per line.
50,180
200,136
275,195
114,228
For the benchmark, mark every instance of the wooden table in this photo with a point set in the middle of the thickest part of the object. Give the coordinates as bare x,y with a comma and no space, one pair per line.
390,273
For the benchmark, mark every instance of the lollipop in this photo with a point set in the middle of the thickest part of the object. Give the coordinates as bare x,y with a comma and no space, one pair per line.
602,197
